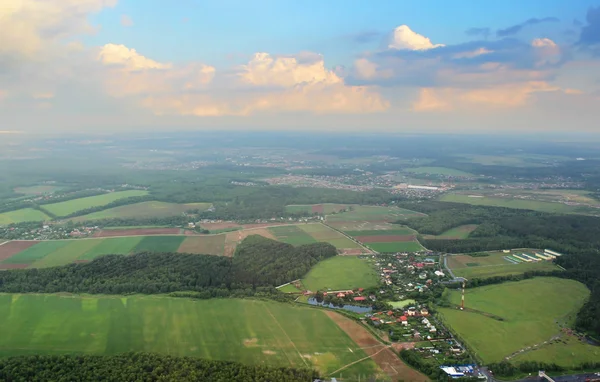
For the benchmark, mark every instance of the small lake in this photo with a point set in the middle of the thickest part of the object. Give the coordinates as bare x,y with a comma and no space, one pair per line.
350,308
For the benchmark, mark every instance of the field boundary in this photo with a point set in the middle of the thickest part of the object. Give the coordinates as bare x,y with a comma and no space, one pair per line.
368,250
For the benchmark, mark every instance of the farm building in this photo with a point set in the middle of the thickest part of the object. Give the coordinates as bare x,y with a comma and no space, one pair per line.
452,372
550,252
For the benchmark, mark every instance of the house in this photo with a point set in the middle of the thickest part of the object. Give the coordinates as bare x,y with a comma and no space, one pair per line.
390,313
411,312
424,312
340,295
361,298
349,292
432,329
419,265
417,335
429,261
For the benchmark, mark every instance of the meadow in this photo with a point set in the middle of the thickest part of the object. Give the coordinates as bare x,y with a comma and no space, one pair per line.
36,190
311,209
22,215
460,232
72,206
247,331
531,311
495,265
398,246
322,233
292,234
373,214
143,210
525,204
341,272
444,171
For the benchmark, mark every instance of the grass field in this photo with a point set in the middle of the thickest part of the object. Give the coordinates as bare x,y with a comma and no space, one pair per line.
401,304
310,209
37,252
159,244
322,233
22,215
568,352
207,245
290,288
71,206
116,245
495,265
247,331
460,232
530,310
398,246
373,214
292,234
398,230
534,205
36,190
445,171
341,272
152,209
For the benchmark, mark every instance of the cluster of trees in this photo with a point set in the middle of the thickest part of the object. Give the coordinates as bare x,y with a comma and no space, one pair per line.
141,367
258,266
432,370
22,202
175,221
501,228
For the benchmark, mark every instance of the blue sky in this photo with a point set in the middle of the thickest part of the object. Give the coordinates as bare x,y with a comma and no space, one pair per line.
444,65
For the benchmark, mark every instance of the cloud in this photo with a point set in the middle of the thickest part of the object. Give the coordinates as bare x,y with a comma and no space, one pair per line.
510,31
129,59
403,38
43,95
590,33
485,32
126,21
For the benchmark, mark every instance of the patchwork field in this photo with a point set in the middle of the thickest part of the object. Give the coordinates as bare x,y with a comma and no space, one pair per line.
445,171
531,311
384,237
292,234
311,209
22,215
32,254
341,272
460,232
248,331
525,204
72,206
233,239
351,226
152,209
373,214
495,265
322,233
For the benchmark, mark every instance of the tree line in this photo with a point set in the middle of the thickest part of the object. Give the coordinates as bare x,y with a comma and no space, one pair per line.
258,265
142,367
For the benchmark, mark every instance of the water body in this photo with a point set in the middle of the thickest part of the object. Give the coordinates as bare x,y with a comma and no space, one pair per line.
351,308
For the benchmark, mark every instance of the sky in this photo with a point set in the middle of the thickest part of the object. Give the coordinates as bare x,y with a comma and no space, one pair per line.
392,66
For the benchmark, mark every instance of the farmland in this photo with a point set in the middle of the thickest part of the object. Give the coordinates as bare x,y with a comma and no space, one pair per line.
518,203
460,232
386,238
208,245
494,265
445,171
373,214
248,331
322,233
310,209
292,234
341,272
22,215
72,206
531,311
398,246
142,210
36,190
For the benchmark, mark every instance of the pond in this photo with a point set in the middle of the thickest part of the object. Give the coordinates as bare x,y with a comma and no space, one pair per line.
351,308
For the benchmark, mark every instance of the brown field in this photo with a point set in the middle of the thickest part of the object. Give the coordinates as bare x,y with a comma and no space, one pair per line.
14,266
137,232
13,247
232,239
352,251
385,238
205,245
383,356
318,209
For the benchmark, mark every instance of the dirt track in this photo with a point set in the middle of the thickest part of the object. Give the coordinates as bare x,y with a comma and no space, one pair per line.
383,356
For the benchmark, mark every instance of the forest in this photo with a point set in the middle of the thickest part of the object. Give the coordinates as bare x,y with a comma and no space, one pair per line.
258,265
141,367
500,228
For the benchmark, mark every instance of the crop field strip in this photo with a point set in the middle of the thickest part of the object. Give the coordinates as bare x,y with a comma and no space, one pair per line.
311,209
322,233
70,206
292,235
22,215
373,214
531,311
248,331
143,210
496,264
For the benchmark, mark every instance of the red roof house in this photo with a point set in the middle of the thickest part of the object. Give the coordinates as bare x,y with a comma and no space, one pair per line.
361,289
360,298
341,295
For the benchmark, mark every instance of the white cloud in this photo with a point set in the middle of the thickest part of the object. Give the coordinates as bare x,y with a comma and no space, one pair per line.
126,21
546,51
404,38
129,59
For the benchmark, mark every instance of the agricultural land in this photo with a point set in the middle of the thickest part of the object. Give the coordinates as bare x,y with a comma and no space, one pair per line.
439,171
142,210
341,273
22,215
72,206
460,232
247,331
510,319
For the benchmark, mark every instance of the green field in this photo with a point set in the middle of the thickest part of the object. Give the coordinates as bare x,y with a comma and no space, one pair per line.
64,254
36,190
291,234
568,352
530,310
159,244
397,230
247,331
22,215
445,171
398,246
322,233
460,232
307,209
495,265
290,288
143,210
401,304
341,272
37,252
373,214
72,206
534,205
116,246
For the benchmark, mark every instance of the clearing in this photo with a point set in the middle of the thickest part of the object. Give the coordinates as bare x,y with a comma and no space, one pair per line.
311,209
72,206
531,311
341,272
247,331
23,215
143,210
460,232
399,246
373,214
